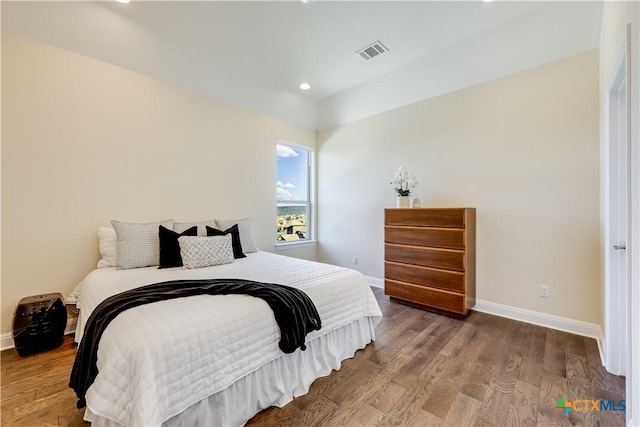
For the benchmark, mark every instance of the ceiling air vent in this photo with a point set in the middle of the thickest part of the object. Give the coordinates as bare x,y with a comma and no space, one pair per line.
373,50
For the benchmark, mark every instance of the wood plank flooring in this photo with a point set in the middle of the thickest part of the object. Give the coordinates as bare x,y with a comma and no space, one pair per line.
422,370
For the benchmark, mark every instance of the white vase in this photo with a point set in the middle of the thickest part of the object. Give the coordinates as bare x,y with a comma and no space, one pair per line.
403,201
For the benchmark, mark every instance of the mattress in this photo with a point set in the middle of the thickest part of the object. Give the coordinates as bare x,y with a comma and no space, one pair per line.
157,361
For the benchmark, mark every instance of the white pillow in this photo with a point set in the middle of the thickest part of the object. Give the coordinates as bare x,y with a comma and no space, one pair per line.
181,227
200,252
108,247
139,244
245,227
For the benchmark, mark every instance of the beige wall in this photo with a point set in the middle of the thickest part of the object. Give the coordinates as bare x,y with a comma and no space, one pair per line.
84,142
522,149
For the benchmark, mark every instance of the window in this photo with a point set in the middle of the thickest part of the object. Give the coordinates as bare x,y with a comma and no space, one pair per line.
294,189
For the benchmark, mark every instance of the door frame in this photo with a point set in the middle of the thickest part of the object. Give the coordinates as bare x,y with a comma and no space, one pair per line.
617,301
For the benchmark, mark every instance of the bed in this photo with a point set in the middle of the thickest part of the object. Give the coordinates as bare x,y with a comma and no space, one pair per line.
214,360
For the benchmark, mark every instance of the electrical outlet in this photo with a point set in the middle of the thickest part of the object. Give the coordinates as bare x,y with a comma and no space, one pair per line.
544,291
355,260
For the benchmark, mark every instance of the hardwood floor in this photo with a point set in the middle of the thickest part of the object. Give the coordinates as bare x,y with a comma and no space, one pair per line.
422,370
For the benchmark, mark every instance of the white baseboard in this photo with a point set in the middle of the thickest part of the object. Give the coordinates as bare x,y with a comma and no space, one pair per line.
564,324
6,340
375,282
601,346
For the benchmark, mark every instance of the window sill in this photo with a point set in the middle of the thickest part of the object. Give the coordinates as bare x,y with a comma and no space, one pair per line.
294,245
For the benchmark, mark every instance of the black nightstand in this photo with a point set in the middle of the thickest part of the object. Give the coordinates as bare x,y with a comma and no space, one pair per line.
39,323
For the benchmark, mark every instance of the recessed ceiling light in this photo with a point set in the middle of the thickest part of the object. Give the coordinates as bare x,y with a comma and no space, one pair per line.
123,1
487,1
305,86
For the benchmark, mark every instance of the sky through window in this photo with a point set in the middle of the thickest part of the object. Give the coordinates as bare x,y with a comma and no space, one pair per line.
292,173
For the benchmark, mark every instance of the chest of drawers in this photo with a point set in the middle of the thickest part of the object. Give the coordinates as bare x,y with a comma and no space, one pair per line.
430,258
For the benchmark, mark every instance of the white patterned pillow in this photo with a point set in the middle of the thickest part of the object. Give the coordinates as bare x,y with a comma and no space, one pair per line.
181,227
108,247
245,227
139,244
200,252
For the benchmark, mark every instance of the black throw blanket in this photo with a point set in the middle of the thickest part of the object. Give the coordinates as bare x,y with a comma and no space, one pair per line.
294,312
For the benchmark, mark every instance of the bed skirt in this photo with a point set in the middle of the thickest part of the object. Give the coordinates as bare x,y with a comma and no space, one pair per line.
274,384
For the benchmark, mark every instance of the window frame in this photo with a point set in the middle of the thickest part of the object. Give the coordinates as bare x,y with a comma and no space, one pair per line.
309,202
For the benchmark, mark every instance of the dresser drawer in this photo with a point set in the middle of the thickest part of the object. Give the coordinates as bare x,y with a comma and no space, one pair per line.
420,236
454,217
431,297
427,257
424,276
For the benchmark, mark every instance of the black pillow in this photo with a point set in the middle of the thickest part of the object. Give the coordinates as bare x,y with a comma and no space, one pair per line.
235,239
169,246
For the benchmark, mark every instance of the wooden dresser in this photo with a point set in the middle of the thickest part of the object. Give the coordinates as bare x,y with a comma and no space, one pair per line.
430,258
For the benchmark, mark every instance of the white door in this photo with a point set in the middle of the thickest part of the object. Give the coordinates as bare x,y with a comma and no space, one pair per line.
618,231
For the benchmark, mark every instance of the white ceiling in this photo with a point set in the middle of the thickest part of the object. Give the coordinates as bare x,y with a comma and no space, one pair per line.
255,54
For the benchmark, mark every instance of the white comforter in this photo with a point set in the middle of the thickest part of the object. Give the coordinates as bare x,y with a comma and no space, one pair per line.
156,360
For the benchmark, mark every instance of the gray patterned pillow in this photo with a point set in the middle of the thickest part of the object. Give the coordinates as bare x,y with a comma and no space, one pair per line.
138,244
245,227
200,252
